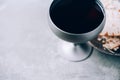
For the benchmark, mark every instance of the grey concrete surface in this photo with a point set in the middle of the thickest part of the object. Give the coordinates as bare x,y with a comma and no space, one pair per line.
28,48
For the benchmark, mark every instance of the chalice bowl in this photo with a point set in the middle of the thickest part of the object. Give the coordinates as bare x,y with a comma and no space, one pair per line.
76,24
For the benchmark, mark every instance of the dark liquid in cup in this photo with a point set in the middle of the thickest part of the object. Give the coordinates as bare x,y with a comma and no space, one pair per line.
74,17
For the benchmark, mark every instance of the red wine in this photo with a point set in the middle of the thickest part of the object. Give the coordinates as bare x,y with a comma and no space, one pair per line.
75,17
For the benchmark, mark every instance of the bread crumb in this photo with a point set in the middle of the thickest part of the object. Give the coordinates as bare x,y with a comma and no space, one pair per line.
119,10
110,42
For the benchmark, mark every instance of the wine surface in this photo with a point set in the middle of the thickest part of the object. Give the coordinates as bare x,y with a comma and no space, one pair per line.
75,17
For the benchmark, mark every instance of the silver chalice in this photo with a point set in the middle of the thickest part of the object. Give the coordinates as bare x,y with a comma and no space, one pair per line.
75,46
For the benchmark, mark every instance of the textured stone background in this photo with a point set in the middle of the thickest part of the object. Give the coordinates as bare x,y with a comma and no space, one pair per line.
28,48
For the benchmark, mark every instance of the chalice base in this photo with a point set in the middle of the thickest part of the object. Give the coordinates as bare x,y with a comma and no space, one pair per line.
75,51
